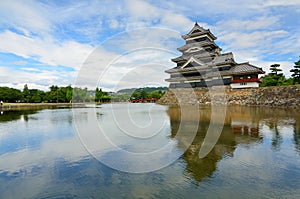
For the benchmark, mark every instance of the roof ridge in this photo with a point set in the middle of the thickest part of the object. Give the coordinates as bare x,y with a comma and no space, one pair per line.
249,65
226,53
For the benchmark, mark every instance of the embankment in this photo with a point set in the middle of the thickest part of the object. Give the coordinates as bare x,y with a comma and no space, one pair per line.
283,96
30,106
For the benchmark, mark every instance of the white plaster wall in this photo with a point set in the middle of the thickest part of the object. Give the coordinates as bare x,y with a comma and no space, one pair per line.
248,85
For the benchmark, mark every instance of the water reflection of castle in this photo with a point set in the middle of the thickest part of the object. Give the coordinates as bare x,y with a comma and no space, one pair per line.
240,128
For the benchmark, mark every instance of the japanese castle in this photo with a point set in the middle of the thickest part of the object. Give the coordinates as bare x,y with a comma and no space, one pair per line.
202,64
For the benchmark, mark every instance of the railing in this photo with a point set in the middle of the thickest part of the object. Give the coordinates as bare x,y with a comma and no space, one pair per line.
245,80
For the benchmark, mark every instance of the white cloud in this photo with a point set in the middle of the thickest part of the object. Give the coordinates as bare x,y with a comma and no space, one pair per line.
257,40
138,68
176,21
284,65
114,24
40,79
141,10
142,54
52,33
68,53
113,71
247,25
144,14
30,69
21,62
26,16
271,3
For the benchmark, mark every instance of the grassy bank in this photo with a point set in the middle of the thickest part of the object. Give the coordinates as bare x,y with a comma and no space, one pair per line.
22,106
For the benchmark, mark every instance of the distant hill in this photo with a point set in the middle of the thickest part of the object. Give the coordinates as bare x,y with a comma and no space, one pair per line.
147,89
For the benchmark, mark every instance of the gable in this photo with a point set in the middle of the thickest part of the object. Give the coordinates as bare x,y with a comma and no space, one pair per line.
195,31
192,62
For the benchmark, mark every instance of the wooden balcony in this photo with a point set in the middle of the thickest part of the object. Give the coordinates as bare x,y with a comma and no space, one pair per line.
246,80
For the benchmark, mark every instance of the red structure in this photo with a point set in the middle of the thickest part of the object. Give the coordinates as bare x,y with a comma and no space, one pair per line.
245,80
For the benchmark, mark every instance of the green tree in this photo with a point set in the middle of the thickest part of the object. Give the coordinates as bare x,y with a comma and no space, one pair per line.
135,95
274,78
275,69
10,94
98,94
52,95
144,94
120,97
26,94
59,94
155,94
69,93
62,94
296,72
36,96
268,80
101,96
80,95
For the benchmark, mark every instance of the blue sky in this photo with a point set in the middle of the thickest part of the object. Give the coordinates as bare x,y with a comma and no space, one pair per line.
48,42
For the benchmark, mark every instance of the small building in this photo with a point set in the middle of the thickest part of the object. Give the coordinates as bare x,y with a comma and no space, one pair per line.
202,64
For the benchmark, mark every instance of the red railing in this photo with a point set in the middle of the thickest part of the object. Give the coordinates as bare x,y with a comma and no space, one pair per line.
245,80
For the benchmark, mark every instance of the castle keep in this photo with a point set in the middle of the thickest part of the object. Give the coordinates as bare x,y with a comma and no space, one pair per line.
202,64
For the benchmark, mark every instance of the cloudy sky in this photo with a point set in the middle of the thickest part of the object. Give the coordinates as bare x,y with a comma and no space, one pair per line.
116,44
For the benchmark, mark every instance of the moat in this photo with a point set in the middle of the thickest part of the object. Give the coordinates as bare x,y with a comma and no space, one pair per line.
42,155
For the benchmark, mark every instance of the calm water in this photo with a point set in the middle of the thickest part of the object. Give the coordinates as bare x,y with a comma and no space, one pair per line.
85,153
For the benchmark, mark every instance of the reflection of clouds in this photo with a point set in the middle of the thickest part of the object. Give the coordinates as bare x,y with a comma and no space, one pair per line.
129,137
61,166
28,129
69,149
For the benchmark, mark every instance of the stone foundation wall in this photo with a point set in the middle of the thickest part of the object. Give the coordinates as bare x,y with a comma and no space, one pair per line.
283,96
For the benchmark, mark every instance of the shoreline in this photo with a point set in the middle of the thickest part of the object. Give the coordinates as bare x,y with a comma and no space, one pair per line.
37,106
24,106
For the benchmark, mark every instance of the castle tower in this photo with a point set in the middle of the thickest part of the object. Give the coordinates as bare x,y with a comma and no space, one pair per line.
202,64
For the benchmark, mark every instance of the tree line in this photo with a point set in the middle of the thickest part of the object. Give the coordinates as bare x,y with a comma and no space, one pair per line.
138,93
143,94
276,78
55,95
69,94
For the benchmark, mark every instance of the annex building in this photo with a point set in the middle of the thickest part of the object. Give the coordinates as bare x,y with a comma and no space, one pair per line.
203,65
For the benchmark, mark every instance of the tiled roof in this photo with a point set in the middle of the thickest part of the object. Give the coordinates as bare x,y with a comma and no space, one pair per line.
197,27
198,56
224,58
217,60
201,31
188,69
239,69
245,68
198,44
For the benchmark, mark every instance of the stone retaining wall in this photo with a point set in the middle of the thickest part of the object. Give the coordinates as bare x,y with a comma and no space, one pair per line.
283,96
